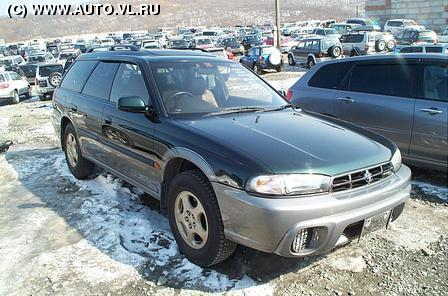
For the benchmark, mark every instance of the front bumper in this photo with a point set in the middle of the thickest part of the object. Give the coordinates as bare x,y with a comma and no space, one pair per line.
271,224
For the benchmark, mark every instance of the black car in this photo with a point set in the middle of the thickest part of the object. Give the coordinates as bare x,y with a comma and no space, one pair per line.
229,158
415,36
252,40
29,71
232,44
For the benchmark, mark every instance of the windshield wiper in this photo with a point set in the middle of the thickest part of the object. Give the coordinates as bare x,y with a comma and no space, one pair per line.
237,110
282,108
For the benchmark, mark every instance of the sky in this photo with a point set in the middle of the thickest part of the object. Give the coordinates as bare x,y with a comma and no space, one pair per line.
5,4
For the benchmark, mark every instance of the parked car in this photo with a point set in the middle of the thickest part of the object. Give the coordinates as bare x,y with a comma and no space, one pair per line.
250,41
344,28
202,42
260,58
81,46
151,44
218,51
313,50
425,48
29,71
395,26
11,61
47,79
44,57
443,36
233,44
228,157
12,86
179,43
364,22
384,41
68,54
363,41
403,98
327,32
413,36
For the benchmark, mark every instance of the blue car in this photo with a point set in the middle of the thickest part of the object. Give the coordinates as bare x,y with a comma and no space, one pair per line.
263,57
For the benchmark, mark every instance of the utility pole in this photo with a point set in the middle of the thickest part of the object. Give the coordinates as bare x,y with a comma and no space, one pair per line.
277,23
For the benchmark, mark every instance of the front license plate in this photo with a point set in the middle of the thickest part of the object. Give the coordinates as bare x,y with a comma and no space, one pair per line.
377,222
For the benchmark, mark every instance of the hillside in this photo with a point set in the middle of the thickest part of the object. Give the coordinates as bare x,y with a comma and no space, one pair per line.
176,13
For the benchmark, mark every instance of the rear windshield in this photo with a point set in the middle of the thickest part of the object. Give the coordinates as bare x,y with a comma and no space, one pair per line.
203,41
65,56
29,70
45,71
36,59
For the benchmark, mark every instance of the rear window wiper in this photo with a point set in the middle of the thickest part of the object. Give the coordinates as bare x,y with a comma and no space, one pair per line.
237,110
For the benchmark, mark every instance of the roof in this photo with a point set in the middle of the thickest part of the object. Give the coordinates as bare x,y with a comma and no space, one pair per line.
391,56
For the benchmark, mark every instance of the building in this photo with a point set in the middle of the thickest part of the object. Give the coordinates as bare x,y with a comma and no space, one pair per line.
433,14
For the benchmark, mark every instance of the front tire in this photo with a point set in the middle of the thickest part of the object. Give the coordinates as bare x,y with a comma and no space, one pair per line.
80,167
195,219
257,69
291,61
15,97
310,63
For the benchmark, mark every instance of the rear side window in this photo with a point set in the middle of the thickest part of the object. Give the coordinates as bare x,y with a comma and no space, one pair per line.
129,82
435,85
384,79
77,75
330,76
411,49
100,81
45,71
434,49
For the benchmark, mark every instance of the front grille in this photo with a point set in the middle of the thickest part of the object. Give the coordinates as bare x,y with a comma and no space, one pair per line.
361,178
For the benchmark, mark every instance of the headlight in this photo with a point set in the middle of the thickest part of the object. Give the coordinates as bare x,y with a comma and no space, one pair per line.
396,160
289,184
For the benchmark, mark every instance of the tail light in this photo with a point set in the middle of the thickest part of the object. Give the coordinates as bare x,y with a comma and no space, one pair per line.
289,95
366,48
260,58
4,85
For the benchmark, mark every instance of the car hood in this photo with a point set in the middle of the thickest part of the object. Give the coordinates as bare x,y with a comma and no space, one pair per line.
293,141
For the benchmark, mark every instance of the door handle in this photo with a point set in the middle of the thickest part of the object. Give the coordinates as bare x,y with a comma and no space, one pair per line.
107,120
345,100
432,111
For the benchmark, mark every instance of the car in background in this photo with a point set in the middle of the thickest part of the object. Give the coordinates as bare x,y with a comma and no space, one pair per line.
231,43
395,26
43,57
150,44
443,36
327,32
67,54
363,42
213,34
402,97
252,40
263,57
12,86
48,77
344,28
81,46
11,61
313,50
202,42
413,36
29,71
364,22
179,43
218,52
425,48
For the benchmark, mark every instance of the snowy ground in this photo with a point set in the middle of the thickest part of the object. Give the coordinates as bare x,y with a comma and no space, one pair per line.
62,236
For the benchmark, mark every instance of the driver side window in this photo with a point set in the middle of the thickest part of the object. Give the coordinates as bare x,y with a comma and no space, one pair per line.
128,82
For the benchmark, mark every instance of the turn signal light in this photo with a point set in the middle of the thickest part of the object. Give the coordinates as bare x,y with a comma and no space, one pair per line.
289,95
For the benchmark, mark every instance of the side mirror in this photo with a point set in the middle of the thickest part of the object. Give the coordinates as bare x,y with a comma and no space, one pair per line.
132,104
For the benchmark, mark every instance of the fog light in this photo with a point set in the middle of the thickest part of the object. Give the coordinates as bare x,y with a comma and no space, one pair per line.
302,240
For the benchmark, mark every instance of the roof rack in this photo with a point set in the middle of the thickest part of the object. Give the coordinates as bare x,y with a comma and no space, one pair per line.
193,49
114,48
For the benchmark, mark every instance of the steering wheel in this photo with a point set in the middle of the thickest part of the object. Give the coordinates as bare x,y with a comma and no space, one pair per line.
171,98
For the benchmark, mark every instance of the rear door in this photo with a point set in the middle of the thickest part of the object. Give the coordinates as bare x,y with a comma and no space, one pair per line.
129,136
380,95
430,134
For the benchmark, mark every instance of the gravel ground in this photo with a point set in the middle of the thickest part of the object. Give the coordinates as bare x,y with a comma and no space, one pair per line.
60,236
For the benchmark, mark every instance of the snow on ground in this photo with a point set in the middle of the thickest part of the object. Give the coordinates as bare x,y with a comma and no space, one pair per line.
434,190
4,122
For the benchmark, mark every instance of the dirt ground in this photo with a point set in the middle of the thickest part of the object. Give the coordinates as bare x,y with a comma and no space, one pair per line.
61,236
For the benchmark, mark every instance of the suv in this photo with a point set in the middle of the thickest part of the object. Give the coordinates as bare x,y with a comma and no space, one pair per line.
363,22
47,78
365,42
313,50
42,57
402,97
443,36
263,57
230,160
413,36
12,86
395,26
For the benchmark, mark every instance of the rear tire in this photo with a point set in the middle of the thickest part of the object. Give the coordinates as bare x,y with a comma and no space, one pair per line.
28,93
80,167
390,45
191,200
257,69
15,97
291,61
380,46
310,63
335,51
278,69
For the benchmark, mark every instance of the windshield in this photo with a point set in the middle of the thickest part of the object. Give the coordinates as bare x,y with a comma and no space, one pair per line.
330,31
189,88
203,41
45,71
65,56
229,41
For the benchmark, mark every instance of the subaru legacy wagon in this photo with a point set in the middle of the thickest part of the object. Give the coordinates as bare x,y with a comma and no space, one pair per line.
230,159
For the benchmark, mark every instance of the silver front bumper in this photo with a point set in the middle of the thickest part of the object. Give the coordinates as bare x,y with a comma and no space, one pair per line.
270,224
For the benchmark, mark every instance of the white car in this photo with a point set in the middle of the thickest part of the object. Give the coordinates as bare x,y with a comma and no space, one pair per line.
12,86
11,61
443,37
395,26
363,41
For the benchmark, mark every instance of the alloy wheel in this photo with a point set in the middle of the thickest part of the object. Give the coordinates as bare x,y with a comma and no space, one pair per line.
72,150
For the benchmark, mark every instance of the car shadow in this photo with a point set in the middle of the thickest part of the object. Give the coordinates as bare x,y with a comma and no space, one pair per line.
126,225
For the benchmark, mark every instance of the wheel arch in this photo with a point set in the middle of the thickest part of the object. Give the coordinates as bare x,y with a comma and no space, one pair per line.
64,122
178,160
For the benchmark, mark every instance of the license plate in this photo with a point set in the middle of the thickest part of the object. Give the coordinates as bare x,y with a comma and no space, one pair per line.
377,222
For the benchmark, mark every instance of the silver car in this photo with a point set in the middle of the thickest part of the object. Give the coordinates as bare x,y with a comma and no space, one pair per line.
403,97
